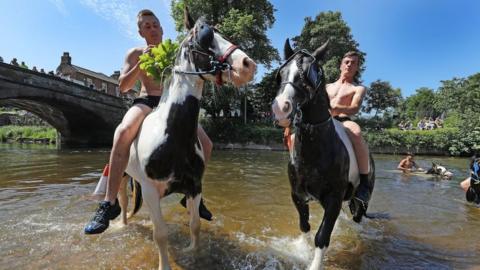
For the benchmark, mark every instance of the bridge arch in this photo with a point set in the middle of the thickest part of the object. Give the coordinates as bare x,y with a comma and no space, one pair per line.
83,116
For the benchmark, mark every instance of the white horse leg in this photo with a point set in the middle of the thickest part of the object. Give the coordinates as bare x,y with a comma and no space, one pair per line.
160,233
192,206
317,263
123,198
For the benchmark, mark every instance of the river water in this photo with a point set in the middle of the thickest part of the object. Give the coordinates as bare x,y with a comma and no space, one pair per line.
422,222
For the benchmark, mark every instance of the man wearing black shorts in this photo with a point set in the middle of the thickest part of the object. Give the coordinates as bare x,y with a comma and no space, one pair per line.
150,29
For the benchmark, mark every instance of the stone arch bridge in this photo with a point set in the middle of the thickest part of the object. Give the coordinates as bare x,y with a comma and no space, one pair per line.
83,116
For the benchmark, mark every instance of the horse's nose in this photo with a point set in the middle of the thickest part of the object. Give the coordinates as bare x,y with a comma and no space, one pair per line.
286,106
281,107
249,64
245,69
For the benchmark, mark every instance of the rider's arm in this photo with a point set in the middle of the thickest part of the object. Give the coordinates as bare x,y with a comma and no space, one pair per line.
130,72
354,107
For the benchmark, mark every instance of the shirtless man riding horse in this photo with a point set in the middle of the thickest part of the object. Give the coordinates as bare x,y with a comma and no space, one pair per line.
345,100
149,29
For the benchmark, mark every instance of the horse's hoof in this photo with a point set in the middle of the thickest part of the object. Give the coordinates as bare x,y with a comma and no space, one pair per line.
358,209
305,227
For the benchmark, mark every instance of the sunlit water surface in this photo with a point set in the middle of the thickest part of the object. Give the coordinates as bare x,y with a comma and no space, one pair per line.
422,222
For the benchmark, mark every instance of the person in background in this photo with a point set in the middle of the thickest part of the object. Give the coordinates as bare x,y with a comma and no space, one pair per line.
472,192
14,62
407,164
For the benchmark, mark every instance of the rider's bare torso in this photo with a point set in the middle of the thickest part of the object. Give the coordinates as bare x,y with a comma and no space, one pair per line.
342,93
149,86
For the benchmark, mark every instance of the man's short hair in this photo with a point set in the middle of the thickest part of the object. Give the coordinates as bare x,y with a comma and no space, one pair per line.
352,53
142,13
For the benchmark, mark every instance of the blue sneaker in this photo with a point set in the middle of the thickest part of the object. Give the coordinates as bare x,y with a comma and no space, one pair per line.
104,213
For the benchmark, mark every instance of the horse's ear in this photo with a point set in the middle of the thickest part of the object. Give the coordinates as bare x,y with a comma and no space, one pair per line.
187,19
287,50
319,53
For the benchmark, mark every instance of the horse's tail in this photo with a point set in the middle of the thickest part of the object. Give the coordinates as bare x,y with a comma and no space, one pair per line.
136,197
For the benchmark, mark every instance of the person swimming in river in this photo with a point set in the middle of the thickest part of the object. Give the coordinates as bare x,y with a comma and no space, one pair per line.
408,164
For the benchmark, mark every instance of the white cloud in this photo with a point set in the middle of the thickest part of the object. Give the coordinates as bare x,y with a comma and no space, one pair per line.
120,12
60,5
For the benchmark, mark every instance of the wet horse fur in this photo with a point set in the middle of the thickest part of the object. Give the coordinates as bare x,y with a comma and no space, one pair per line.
320,163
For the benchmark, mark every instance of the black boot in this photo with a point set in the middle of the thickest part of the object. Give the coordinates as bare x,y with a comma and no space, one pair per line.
202,209
359,204
101,220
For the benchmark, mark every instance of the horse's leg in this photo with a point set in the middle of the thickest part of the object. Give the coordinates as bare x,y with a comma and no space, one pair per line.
303,212
332,205
123,198
192,206
301,205
160,233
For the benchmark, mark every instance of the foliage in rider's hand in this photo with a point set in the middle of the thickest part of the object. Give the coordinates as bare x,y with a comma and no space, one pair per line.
159,61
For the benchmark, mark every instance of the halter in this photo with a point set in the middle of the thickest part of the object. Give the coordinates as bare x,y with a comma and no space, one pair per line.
200,45
309,86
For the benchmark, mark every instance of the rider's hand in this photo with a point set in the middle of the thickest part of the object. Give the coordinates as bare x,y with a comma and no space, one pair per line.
148,49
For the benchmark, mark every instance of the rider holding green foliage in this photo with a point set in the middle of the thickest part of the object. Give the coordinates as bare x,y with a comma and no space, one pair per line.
151,59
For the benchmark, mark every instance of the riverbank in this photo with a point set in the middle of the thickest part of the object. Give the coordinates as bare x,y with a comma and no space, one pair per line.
28,134
229,134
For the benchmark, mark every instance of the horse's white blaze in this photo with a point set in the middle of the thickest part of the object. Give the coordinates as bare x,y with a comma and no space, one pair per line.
317,263
353,172
287,95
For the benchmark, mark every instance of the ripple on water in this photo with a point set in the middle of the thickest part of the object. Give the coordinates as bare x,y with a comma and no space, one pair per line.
428,225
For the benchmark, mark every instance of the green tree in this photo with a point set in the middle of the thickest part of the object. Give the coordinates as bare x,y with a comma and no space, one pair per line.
449,97
420,105
243,22
329,26
380,97
264,93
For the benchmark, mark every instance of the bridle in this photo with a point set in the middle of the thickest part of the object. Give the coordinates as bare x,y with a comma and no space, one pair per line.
309,86
199,44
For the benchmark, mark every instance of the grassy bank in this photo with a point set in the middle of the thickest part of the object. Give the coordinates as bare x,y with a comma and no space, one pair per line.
28,134
450,141
445,141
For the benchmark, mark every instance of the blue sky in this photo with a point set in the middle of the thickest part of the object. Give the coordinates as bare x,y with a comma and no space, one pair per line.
410,43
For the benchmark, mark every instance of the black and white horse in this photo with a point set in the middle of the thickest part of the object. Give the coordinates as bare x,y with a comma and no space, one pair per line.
322,163
166,156
440,171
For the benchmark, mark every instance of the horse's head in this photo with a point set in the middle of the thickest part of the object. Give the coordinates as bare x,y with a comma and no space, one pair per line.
299,79
206,53
433,169
473,192
440,170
